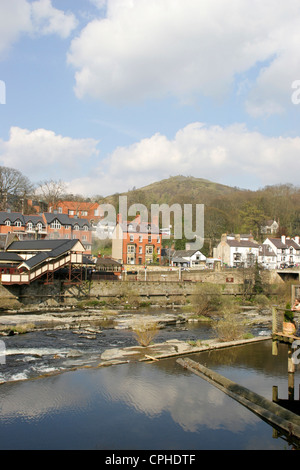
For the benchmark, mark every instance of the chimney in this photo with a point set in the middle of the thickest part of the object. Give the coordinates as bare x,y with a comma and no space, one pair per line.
237,237
283,239
224,237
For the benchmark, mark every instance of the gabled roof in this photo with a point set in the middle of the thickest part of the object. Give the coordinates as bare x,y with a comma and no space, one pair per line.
12,216
185,253
46,249
291,243
24,219
277,242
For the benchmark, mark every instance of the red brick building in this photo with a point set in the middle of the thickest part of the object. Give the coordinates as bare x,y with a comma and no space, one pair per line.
136,242
84,210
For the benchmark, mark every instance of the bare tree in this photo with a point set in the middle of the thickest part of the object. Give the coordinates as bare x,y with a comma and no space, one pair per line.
14,186
51,191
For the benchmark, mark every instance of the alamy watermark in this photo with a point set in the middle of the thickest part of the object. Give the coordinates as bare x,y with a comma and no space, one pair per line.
2,92
296,354
2,353
182,226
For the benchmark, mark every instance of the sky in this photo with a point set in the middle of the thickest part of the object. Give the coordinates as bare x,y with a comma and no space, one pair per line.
108,95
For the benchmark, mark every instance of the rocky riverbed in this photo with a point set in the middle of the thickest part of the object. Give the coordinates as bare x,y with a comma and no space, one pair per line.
39,342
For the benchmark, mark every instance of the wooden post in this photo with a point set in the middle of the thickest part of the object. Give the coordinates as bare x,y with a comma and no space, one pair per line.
274,330
275,394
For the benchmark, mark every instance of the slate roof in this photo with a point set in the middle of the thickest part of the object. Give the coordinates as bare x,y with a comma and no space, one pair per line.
46,249
184,253
107,262
4,256
242,244
64,219
24,219
40,245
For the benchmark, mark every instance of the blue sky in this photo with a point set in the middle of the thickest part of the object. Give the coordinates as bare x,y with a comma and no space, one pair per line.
111,94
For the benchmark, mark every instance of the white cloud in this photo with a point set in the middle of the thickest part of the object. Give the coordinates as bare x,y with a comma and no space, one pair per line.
147,49
230,155
49,20
19,17
42,154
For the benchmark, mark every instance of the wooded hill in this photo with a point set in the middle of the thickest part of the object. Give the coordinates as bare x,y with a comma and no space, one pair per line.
227,209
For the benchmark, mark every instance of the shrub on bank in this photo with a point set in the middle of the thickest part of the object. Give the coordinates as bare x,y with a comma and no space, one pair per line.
229,327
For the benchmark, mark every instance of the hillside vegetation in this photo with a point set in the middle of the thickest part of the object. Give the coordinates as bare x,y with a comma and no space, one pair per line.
227,209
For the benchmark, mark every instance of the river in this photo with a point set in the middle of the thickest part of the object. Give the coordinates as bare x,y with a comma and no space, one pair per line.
136,405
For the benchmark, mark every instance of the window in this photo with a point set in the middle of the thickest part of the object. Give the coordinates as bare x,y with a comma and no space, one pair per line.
76,227
55,224
67,227
84,213
30,226
131,238
18,223
71,212
84,238
130,249
140,238
149,239
158,239
7,222
39,226
149,250
140,250
60,210
85,228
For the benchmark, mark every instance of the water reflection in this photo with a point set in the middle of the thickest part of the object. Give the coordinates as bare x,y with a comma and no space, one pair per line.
143,406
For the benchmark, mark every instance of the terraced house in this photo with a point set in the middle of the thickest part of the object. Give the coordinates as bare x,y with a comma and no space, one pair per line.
47,226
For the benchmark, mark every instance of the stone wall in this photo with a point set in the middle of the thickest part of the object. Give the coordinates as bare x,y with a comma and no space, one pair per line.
161,290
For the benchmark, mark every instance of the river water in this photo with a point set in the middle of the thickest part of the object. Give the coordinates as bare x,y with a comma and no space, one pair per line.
136,405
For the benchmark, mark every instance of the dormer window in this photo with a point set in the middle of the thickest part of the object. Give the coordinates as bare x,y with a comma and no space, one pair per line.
55,224
18,223
76,227
7,222
29,226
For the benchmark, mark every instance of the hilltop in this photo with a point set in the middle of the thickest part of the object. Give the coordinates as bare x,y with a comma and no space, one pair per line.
227,209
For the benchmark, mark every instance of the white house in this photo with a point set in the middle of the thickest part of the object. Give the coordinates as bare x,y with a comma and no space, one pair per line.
235,252
267,257
287,250
270,226
188,258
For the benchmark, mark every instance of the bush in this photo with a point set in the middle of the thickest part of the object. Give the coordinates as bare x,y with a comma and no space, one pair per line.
207,299
229,328
145,332
261,300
